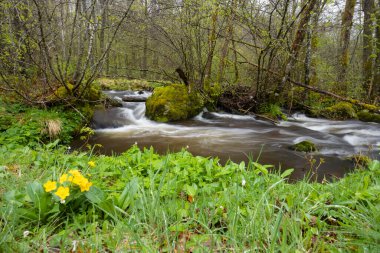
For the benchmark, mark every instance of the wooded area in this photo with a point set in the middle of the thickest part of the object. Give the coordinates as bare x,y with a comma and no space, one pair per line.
331,46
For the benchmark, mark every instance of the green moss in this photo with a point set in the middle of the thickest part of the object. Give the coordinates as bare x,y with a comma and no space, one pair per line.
173,103
340,111
128,84
93,93
213,91
304,146
366,116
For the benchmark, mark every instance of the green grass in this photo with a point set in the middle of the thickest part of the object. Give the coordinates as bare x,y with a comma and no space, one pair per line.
144,202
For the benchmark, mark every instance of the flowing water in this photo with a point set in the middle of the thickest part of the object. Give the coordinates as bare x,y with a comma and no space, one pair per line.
237,137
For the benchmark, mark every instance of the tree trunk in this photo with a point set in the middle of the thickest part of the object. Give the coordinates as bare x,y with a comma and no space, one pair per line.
375,89
345,34
227,41
297,42
211,48
102,36
145,44
367,61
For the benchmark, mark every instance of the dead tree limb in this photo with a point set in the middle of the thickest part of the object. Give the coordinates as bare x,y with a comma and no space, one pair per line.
369,107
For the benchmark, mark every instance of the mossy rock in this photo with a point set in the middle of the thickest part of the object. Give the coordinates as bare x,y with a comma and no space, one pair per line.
304,146
366,116
340,111
173,103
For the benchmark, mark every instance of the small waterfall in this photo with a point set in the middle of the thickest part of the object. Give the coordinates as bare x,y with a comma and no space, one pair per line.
235,137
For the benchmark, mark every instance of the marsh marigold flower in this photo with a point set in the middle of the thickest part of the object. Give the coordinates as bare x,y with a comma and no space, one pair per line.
75,173
50,186
85,186
62,192
65,178
91,164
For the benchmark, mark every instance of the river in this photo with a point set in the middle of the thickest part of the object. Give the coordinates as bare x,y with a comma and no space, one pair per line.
237,137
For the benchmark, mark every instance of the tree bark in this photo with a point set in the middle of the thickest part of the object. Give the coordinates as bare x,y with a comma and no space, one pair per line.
367,61
345,34
375,89
297,42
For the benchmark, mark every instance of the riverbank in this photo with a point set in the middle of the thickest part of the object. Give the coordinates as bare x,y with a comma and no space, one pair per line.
141,201
57,199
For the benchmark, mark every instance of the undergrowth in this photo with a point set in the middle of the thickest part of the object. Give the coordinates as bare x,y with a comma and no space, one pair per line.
140,201
23,125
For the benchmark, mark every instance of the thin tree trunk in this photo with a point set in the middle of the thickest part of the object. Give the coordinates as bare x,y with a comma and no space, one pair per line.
297,42
227,41
145,44
375,89
211,48
367,61
345,34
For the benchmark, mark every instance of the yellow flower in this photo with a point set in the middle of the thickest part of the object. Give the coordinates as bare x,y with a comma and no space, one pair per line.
75,173
62,192
85,186
50,186
65,178
91,164
78,179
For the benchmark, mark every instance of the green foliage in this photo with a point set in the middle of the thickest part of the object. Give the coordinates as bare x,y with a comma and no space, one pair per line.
304,146
272,111
172,103
366,116
214,91
163,203
31,126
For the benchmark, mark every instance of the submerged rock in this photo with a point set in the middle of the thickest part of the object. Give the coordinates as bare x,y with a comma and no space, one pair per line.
304,146
173,103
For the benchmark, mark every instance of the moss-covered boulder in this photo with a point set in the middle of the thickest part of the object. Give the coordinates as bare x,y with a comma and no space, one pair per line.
304,146
173,103
340,111
366,116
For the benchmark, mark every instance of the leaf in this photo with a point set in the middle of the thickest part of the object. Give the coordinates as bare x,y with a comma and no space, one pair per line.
39,197
128,194
374,165
95,195
286,173
190,190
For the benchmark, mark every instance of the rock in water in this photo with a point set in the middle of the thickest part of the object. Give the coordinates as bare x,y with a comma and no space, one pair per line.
173,103
304,146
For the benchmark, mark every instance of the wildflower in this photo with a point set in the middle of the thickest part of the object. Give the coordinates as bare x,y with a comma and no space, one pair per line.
65,178
243,182
75,173
50,186
91,164
62,192
79,179
85,186
26,233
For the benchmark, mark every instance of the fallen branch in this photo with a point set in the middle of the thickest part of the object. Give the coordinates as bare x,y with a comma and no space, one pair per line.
369,107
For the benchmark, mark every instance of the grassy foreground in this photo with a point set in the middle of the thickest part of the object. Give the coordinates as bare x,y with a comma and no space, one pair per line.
143,202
